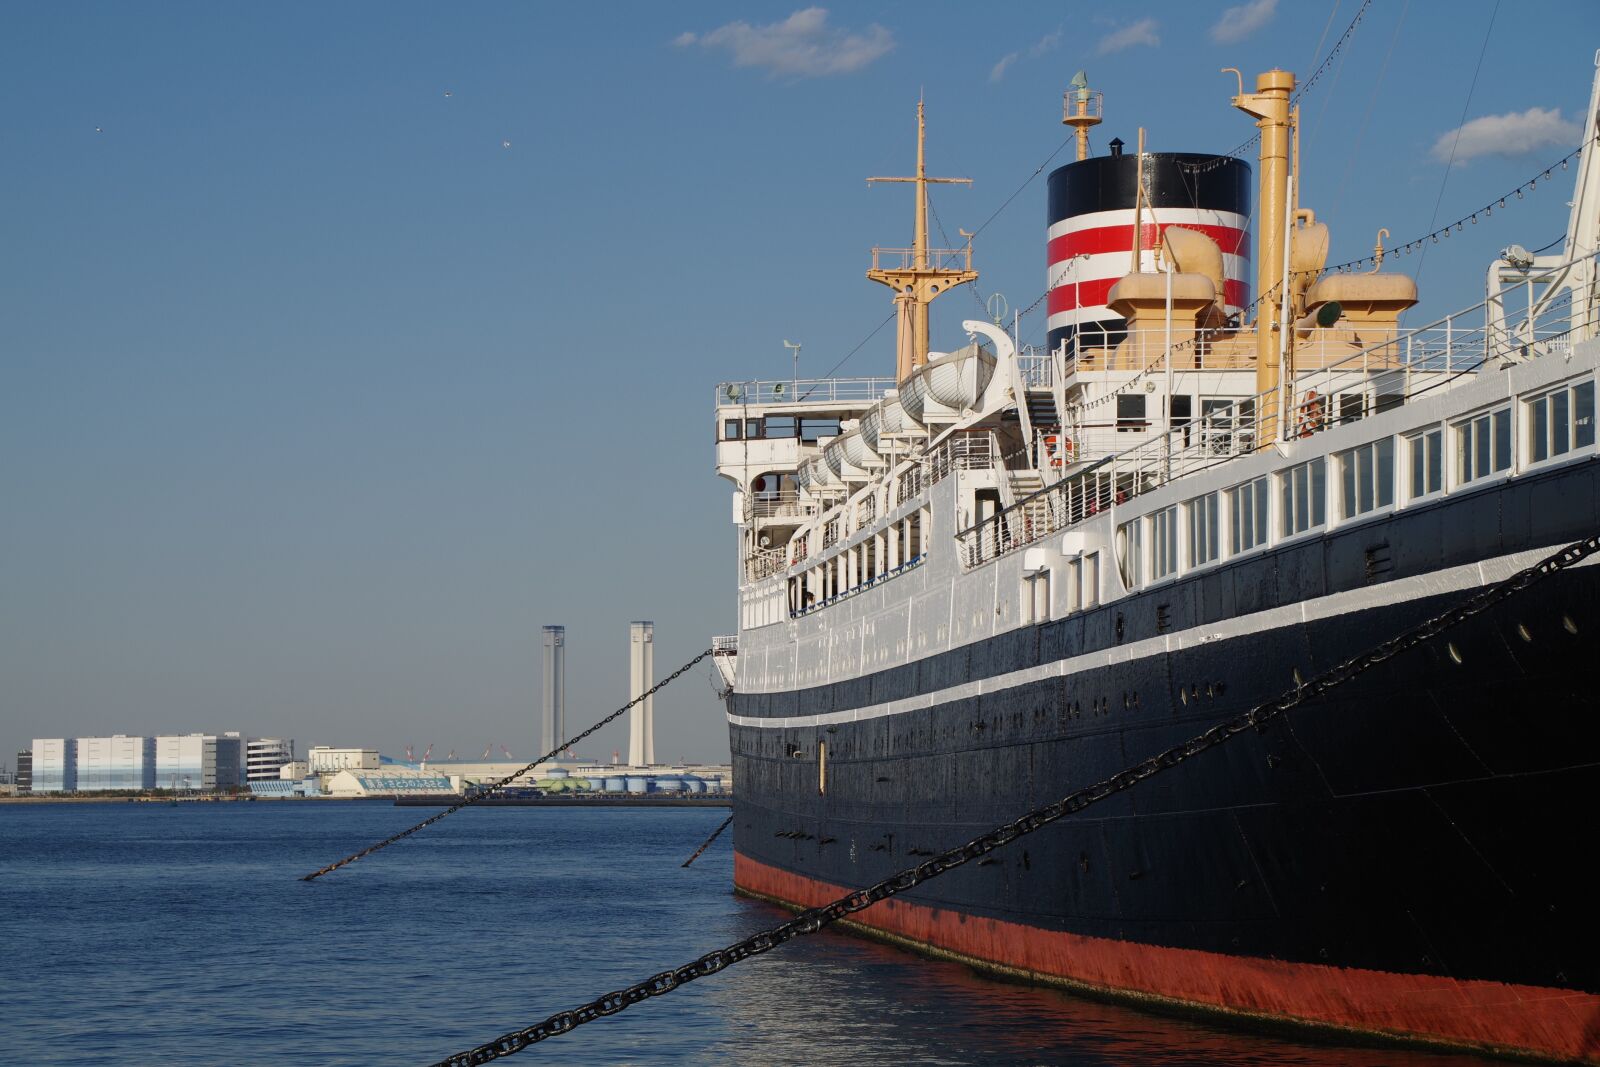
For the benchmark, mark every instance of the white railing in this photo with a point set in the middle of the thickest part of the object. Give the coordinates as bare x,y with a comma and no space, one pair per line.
804,391
973,450
725,645
1036,369
764,563
1431,359
784,504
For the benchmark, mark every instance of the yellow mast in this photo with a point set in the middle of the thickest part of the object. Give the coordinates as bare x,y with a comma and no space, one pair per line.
916,282
1270,106
1080,109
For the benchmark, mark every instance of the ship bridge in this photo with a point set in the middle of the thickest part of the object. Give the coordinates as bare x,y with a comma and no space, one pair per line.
767,432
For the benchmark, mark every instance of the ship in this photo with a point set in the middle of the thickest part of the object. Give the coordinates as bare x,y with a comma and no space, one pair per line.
1006,573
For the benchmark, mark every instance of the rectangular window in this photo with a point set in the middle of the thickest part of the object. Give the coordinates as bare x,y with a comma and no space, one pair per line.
1091,580
1247,505
1351,407
1559,422
1203,541
816,429
1074,585
1036,597
1130,553
1130,412
1180,409
1303,497
1483,445
1164,542
780,426
1426,454
1366,478
730,430
752,429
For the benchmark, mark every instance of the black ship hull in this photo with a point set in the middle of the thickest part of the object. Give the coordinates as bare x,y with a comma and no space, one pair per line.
1399,857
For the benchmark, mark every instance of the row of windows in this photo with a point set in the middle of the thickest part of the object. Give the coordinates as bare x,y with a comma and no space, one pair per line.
1363,480
777,427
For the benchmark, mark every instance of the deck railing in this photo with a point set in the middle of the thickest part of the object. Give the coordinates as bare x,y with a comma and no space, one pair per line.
804,391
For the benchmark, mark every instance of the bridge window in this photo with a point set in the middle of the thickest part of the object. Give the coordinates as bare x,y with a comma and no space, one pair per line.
730,430
815,429
780,426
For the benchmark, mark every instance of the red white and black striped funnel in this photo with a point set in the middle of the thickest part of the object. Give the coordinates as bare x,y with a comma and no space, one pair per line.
1091,229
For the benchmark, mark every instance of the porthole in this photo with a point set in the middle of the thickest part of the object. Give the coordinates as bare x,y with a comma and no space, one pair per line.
1522,632
1568,625
1455,653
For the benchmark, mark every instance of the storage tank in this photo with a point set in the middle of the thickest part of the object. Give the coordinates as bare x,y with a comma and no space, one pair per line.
616,784
1091,216
557,772
637,784
691,784
669,785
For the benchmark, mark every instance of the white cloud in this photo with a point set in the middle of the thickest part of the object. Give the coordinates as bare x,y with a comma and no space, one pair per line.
802,45
1241,21
1512,134
1048,43
1141,32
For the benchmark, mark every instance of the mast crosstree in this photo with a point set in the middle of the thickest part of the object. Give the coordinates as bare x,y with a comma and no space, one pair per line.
921,275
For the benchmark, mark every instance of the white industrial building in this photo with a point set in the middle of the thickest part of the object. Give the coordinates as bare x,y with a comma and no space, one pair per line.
55,764
265,756
204,762
118,762
390,781
322,759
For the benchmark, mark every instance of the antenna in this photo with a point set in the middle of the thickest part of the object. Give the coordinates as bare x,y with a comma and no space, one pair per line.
796,349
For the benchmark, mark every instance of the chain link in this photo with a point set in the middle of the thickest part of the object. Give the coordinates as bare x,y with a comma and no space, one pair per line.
809,922
473,798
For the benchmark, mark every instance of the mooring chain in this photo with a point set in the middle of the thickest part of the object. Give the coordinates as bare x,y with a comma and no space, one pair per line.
707,844
473,798
809,922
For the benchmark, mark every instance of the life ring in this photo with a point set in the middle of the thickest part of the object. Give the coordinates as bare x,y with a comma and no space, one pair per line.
1311,414
1057,450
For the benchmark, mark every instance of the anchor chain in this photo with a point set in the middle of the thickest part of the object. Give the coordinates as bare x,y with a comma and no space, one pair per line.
707,844
473,798
814,919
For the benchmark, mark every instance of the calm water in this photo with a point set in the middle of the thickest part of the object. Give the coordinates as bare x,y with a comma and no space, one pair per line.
150,934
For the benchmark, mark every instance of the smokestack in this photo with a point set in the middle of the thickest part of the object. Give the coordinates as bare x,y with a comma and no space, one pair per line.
553,726
641,719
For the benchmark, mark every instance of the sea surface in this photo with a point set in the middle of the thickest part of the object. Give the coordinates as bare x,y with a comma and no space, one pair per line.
182,934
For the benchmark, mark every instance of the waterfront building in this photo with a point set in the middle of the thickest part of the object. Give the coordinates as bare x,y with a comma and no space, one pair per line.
24,779
325,760
205,762
389,781
55,764
117,762
265,756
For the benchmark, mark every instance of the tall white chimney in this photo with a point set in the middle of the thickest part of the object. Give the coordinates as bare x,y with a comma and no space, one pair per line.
641,718
553,726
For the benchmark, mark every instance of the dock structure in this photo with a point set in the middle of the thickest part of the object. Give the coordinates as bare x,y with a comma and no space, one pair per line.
641,719
553,722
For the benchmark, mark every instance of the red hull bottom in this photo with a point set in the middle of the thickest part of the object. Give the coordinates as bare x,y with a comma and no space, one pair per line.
1522,1020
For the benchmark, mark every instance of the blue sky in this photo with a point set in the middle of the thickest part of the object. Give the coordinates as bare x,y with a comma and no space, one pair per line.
342,346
